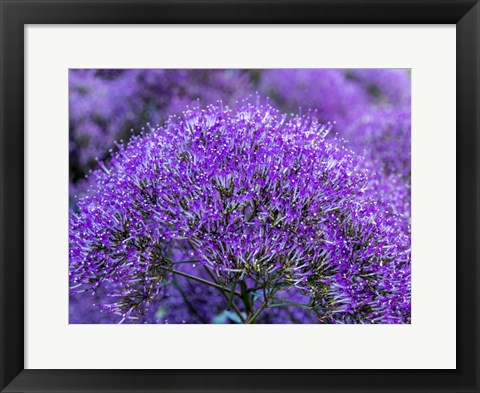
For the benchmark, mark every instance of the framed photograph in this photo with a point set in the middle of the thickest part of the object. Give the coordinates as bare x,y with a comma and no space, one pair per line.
239,196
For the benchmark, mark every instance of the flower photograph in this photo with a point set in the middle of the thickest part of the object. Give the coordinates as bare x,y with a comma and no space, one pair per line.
239,196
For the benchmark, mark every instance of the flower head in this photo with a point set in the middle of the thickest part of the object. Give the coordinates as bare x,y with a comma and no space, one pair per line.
256,197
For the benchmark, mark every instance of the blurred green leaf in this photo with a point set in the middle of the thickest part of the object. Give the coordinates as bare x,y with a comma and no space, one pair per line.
226,315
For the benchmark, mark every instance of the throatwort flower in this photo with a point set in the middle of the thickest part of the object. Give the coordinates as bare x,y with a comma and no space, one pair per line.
264,206
371,107
105,105
334,96
390,87
384,135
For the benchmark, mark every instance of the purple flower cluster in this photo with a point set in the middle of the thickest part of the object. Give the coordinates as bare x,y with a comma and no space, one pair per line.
105,105
386,86
371,111
370,107
241,215
384,135
334,96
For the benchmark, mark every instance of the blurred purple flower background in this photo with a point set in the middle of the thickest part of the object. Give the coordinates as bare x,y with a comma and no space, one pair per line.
240,196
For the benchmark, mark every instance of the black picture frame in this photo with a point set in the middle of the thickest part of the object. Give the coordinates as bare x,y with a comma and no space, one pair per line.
15,14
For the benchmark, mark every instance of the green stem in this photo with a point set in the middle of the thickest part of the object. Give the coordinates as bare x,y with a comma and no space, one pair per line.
181,262
287,303
206,282
257,313
267,297
230,301
247,301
